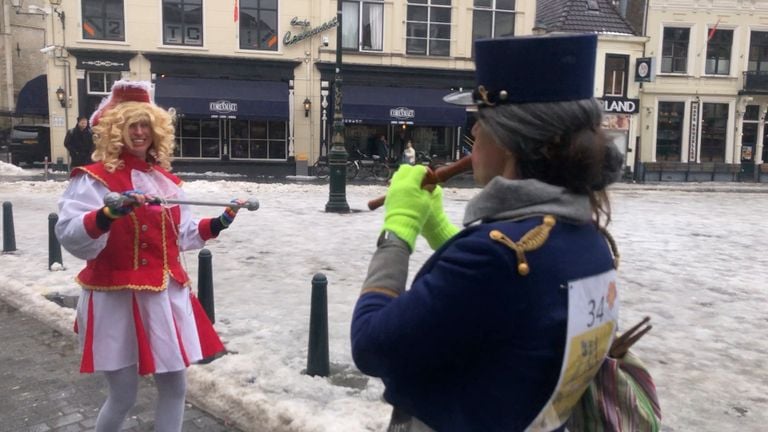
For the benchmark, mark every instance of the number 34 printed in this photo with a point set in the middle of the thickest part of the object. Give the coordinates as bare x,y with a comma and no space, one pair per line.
595,311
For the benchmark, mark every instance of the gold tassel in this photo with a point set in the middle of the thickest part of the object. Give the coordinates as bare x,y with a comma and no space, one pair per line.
532,240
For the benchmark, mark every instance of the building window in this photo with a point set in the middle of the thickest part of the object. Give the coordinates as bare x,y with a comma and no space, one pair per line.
101,82
758,51
363,25
714,122
258,24
428,27
493,18
183,22
615,75
669,132
252,139
103,20
674,50
98,85
197,138
719,52
247,139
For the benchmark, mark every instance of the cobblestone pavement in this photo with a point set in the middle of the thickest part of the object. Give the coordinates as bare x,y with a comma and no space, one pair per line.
41,389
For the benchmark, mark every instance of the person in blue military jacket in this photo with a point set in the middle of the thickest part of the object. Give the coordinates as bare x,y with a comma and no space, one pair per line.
506,324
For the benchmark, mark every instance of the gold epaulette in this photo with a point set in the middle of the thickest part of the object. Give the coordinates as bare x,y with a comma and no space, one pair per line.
532,240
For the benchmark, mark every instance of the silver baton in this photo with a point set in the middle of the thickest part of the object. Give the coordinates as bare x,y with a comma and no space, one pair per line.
114,199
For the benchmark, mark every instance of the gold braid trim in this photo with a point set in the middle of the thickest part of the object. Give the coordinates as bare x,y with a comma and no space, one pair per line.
157,288
136,234
532,240
166,267
92,174
484,95
612,244
386,291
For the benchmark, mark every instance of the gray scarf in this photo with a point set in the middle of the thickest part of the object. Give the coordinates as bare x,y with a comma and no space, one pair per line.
503,199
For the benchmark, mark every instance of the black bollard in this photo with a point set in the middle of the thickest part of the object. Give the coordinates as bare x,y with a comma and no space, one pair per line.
205,283
54,248
317,354
9,238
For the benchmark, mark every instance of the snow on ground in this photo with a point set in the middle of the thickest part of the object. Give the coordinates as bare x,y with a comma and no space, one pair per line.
692,257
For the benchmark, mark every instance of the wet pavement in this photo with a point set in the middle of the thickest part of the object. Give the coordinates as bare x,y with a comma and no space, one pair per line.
42,389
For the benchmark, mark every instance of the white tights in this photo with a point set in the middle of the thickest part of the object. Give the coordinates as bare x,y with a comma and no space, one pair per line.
123,388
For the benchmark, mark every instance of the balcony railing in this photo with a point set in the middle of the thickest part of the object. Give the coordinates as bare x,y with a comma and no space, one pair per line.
756,81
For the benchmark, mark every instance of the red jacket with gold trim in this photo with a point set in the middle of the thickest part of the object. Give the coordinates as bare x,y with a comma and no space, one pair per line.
142,249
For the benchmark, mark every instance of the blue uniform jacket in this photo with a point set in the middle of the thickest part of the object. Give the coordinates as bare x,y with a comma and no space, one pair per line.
473,345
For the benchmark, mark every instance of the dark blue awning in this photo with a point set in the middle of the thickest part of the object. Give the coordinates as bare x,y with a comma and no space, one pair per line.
418,106
266,100
33,98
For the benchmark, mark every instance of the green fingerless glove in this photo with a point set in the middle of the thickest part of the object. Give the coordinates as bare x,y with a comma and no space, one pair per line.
407,205
437,228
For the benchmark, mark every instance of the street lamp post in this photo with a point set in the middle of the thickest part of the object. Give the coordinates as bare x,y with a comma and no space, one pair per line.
337,157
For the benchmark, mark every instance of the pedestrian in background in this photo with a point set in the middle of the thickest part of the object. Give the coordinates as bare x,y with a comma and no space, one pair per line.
508,322
409,154
79,143
382,148
136,314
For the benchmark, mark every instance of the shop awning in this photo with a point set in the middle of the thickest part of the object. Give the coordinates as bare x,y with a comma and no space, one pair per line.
33,98
242,99
418,106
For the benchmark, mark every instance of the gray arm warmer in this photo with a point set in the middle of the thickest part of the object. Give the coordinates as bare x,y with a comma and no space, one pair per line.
388,269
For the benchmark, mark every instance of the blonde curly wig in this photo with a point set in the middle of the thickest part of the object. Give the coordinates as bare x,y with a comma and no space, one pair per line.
108,134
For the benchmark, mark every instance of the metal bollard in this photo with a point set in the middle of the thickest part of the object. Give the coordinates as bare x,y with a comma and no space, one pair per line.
9,238
318,363
54,247
205,283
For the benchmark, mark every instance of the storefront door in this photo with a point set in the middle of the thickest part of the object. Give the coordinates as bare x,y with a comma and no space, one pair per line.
224,138
749,134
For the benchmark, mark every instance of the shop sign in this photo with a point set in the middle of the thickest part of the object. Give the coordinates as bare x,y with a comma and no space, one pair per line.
644,71
223,106
290,39
296,22
402,113
621,105
103,64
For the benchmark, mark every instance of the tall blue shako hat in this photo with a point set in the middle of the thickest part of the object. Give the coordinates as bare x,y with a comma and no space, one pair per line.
527,69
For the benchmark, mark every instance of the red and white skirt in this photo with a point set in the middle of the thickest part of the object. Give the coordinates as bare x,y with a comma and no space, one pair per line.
160,331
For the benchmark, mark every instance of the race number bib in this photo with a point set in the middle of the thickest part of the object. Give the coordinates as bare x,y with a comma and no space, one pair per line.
593,307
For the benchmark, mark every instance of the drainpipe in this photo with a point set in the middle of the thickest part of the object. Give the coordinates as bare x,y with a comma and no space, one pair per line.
60,56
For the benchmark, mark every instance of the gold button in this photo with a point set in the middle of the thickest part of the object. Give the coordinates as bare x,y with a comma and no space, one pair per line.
144,227
143,261
143,245
523,269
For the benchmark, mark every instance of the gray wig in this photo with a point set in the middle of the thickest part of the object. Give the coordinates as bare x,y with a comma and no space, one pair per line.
560,143
553,139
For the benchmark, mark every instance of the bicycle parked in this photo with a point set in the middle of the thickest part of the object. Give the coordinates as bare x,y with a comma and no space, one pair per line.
322,170
372,165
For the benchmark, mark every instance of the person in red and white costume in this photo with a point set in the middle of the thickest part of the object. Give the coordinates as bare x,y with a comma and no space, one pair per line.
136,314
